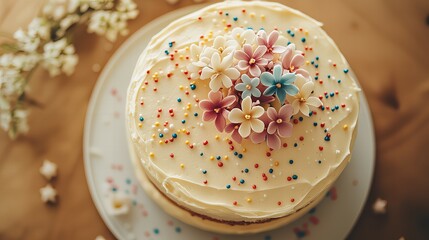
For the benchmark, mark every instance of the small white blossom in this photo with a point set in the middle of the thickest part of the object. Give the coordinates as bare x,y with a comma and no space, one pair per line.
59,57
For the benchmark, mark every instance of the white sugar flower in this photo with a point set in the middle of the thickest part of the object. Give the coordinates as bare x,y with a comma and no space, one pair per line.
303,100
224,46
248,117
220,72
243,36
200,58
118,204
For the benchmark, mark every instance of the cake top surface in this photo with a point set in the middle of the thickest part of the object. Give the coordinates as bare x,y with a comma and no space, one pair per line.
242,110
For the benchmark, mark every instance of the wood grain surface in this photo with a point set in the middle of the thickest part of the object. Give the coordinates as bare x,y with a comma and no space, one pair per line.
386,43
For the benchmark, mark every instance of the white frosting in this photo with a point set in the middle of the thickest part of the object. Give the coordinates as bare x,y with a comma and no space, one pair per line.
181,178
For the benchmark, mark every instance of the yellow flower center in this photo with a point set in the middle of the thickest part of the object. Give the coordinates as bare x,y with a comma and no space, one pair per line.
292,68
247,116
236,127
302,99
252,61
278,85
216,110
279,120
248,86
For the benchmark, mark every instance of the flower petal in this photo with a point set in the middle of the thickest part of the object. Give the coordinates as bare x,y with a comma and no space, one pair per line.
226,62
272,113
273,141
272,38
259,52
206,105
267,79
287,56
303,73
240,87
291,89
288,78
241,55
279,49
228,101
215,97
232,73
272,128
304,109
256,92
220,122
207,73
215,84
286,112
257,125
277,72
236,116
306,89
226,81
245,129
270,90
314,101
257,111
297,61
254,70
281,94
215,63
246,105
295,105
247,48
236,136
243,65
285,129
258,137
254,82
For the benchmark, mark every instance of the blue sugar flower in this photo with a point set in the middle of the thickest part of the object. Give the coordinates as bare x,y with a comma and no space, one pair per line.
248,87
279,84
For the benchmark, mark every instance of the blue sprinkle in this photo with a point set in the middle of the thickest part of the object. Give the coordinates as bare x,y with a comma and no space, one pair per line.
235,153
179,100
246,170
326,96
114,189
303,40
218,157
141,119
295,144
193,86
320,161
316,77
345,70
271,170
292,34
312,62
329,76
317,58
323,108
196,114
166,52
183,121
316,65
170,44
291,161
327,139
201,154
240,155
288,31
161,135
178,229
235,19
339,81
288,43
128,181
332,94
228,186
241,181
156,231
227,14
174,135
300,119
295,177
204,171
336,107
315,124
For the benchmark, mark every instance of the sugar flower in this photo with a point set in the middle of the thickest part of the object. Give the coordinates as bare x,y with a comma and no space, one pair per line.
220,72
279,84
302,100
247,116
251,61
292,61
273,140
224,46
233,129
270,42
249,87
280,121
215,109
200,57
118,204
243,36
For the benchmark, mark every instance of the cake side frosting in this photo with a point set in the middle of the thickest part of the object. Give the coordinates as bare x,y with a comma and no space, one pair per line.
207,171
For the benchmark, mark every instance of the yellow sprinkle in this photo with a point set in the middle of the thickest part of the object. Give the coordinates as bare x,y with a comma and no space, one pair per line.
151,154
143,88
211,157
181,87
307,62
276,163
187,48
306,32
244,150
249,200
225,157
188,107
157,124
217,137
183,130
140,125
153,135
161,142
186,114
181,57
345,127
262,16
252,14
182,165
186,142
223,21
226,29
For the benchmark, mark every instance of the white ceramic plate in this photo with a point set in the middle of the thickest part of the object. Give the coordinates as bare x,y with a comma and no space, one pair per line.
109,169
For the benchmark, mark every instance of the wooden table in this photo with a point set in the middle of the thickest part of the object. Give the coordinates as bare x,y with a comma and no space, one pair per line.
386,43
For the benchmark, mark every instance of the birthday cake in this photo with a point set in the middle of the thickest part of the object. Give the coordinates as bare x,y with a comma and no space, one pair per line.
240,116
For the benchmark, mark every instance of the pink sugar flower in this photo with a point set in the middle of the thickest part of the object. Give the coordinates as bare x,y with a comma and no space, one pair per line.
233,129
251,61
273,140
269,42
215,109
280,121
293,60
